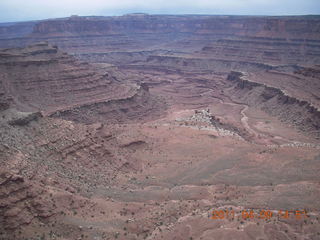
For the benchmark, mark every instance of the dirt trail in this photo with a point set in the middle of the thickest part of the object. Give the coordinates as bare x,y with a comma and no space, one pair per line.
244,119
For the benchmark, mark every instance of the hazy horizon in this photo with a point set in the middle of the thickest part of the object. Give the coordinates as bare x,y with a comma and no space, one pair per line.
15,10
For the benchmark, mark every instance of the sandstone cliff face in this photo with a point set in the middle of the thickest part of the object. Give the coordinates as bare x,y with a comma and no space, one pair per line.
225,25
276,102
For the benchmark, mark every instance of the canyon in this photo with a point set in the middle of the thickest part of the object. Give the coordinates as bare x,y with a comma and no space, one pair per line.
141,126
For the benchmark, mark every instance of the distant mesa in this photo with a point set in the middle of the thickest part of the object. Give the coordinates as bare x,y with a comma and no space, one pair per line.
136,14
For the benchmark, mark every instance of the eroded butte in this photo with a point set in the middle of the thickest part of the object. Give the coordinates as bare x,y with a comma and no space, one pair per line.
142,126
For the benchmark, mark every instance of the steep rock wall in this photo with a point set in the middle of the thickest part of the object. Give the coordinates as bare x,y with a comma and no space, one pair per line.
276,102
225,25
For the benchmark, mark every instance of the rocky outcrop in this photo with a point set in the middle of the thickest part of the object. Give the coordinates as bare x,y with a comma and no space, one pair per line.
21,202
25,119
276,102
313,72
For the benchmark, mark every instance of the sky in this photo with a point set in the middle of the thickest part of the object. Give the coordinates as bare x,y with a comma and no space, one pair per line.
22,10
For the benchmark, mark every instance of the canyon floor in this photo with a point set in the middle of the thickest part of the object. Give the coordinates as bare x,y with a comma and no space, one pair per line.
169,138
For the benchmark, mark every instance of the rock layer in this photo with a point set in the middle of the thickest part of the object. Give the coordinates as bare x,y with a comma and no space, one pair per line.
21,202
276,102
42,78
224,25
274,40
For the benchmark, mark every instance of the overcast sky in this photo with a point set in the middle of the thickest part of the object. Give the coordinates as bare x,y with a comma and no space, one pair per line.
20,10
